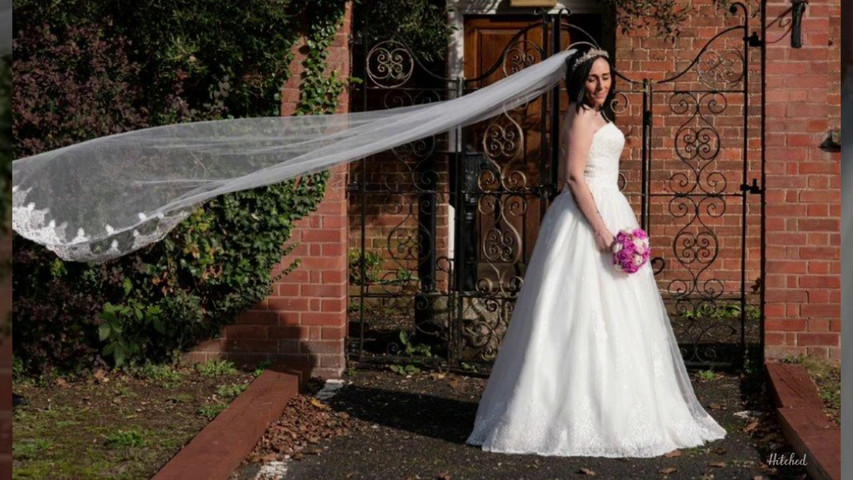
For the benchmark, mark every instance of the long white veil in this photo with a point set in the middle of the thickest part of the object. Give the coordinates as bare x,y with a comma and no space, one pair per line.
107,197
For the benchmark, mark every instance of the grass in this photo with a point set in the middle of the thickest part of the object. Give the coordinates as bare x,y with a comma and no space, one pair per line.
216,368
211,410
116,425
132,438
165,375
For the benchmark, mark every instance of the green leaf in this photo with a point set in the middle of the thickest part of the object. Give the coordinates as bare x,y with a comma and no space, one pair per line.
104,331
120,356
158,326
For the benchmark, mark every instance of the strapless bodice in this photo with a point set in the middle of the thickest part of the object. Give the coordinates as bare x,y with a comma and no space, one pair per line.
602,165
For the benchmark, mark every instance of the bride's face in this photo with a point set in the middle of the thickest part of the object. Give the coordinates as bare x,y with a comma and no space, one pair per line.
598,83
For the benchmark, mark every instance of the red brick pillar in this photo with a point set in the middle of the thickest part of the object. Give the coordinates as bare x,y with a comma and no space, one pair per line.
802,184
303,324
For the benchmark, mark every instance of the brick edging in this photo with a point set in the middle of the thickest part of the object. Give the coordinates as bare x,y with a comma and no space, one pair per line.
804,424
219,448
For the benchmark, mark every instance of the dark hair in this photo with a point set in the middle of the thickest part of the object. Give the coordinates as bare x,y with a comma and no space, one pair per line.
576,78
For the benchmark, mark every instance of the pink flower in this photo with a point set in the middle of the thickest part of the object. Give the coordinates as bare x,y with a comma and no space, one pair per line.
630,250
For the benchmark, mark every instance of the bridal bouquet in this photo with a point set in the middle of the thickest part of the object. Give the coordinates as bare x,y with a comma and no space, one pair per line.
630,250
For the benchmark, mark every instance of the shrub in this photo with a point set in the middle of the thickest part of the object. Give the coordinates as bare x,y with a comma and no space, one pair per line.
72,86
98,68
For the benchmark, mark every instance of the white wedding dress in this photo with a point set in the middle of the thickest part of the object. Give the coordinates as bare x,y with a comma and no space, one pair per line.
589,365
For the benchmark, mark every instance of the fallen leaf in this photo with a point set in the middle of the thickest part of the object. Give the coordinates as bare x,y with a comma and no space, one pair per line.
62,383
101,376
270,457
586,471
667,470
443,476
751,426
717,464
319,404
759,477
720,450
674,453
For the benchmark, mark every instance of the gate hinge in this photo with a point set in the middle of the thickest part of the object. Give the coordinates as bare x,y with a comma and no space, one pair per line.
754,41
754,188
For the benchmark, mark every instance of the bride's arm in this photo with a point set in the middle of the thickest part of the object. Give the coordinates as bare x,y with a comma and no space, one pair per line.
562,157
573,162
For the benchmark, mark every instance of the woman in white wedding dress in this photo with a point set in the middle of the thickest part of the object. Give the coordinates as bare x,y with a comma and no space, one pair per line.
589,365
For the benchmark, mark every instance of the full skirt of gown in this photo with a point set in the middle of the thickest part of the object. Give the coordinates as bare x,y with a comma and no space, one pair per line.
589,364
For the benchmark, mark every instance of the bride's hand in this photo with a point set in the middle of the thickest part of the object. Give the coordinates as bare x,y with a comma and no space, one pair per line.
604,241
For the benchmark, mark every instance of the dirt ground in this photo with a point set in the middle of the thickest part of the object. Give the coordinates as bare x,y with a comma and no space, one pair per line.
113,425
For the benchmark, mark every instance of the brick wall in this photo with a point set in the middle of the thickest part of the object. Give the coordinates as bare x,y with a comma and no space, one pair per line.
803,296
802,182
303,324
675,223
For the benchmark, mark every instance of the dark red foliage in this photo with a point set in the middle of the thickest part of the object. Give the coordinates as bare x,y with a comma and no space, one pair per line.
72,87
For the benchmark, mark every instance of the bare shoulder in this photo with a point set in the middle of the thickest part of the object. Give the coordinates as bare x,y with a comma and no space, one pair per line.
582,121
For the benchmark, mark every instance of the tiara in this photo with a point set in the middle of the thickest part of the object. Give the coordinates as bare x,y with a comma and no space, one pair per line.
593,52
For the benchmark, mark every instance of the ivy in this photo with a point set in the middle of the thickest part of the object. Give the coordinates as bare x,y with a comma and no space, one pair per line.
319,93
191,61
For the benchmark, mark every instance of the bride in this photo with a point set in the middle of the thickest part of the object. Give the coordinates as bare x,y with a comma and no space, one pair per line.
589,365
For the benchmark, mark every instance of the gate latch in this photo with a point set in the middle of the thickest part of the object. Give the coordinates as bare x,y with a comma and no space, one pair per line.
754,188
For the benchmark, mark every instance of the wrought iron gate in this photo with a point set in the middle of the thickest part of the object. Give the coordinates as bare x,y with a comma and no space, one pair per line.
442,228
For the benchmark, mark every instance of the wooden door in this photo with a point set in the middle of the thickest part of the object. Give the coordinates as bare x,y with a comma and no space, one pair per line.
515,146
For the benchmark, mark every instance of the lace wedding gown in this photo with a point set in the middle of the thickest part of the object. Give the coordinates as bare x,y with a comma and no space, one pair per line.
589,365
